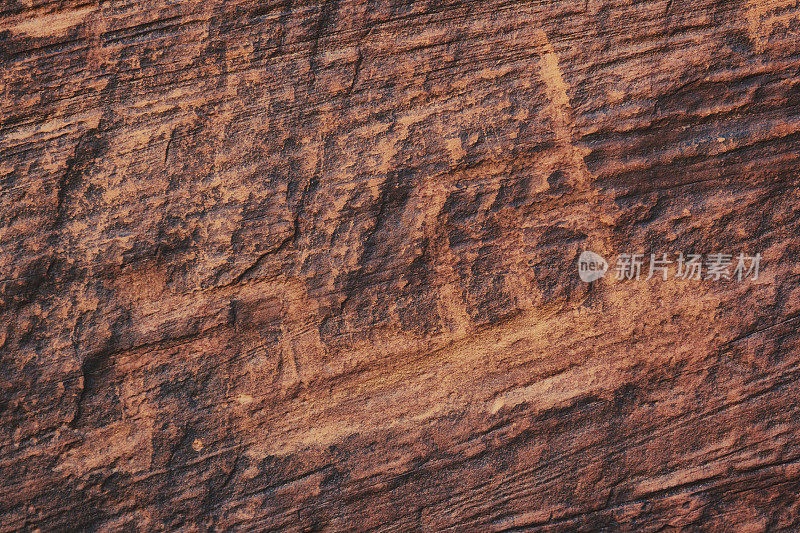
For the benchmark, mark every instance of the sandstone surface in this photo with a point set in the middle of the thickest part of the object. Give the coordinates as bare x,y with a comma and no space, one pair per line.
311,265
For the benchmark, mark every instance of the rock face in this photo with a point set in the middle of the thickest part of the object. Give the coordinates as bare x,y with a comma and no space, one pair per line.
303,265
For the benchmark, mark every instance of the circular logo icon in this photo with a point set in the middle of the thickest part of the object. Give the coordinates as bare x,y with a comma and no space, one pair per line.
591,266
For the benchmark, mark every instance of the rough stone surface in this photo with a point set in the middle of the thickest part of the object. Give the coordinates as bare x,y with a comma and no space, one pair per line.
312,265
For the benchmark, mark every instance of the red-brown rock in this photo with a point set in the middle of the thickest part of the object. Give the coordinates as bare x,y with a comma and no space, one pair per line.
291,265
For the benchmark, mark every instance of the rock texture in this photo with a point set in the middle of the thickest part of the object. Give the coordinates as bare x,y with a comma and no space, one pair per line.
312,265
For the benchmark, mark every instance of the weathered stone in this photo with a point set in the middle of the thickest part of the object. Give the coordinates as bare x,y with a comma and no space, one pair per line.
313,265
